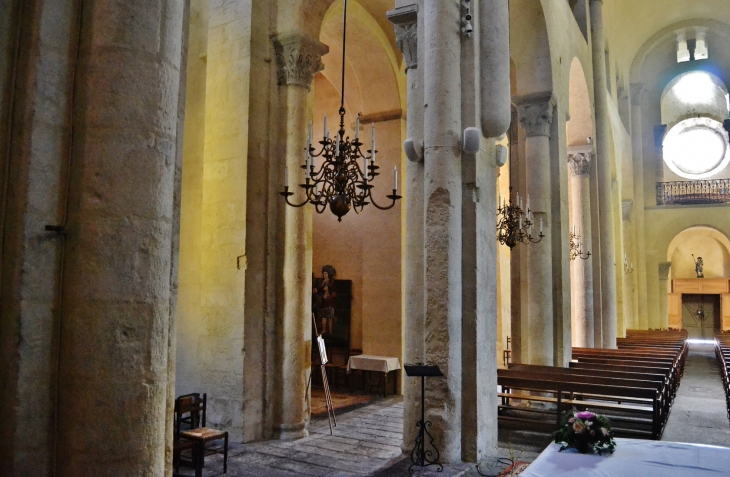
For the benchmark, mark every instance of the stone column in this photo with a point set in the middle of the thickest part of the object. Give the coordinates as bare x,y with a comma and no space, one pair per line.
664,268
605,201
299,58
581,270
536,116
637,146
442,204
116,302
405,21
479,247
630,277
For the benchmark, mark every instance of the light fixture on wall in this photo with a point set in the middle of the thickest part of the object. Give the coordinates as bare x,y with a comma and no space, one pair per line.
576,248
628,268
515,225
344,180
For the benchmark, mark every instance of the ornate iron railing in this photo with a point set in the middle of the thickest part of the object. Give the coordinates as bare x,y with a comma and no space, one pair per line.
693,192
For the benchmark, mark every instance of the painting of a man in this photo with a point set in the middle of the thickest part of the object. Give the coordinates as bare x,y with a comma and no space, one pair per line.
323,300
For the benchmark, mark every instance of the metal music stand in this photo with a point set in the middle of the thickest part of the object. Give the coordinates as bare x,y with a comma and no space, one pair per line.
420,456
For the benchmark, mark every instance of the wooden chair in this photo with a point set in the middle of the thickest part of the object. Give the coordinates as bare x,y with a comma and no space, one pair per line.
181,445
190,411
507,353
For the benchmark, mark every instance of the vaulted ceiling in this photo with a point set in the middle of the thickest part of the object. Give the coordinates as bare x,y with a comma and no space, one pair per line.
630,23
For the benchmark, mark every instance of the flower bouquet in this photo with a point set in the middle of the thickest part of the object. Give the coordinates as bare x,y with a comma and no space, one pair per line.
586,432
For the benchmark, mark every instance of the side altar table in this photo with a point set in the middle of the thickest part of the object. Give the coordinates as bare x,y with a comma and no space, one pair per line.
634,457
378,364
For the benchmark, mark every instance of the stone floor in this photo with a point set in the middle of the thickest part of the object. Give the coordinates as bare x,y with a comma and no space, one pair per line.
366,442
698,414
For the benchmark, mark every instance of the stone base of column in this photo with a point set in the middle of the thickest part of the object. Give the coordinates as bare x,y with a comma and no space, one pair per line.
291,432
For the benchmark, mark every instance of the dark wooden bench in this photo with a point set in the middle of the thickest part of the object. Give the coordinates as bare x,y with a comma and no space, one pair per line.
638,403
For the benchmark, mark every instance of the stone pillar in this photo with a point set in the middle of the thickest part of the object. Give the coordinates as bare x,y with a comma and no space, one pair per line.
494,66
637,146
116,302
581,270
605,201
35,124
442,204
479,247
299,59
405,21
629,283
664,268
536,116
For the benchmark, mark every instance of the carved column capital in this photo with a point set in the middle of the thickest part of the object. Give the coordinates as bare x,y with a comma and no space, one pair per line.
405,24
298,59
536,113
636,90
664,268
580,163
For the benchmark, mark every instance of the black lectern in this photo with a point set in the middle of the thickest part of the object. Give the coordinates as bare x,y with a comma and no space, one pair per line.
420,456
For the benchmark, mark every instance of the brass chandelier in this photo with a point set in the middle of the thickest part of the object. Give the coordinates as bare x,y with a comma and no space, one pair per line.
576,248
514,225
344,179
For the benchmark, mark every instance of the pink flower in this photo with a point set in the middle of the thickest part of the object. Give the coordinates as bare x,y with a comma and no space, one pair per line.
593,433
586,415
571,420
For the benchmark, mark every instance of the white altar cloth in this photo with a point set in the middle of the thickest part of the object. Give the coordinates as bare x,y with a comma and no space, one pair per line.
634,458
369,362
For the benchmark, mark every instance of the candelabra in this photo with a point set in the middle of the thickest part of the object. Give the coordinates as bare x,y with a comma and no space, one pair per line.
513,224
341,182
628,268
576,249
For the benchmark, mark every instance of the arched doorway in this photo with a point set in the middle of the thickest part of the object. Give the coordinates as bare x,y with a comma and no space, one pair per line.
698,283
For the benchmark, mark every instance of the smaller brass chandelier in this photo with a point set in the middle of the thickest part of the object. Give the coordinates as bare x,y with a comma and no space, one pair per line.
576,248
344,179
515,225
628,268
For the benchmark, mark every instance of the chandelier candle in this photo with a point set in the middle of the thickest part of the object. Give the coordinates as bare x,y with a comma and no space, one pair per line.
372,142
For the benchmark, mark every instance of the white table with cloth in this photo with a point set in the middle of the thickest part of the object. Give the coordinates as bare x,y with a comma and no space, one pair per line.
634,458
378,364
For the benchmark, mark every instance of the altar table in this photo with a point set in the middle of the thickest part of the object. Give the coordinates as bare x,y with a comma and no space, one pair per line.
634,457
379,364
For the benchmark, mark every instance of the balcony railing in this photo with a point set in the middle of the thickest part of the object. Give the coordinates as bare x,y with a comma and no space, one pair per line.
693,192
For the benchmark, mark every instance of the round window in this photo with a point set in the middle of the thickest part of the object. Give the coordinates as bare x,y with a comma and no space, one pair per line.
696,148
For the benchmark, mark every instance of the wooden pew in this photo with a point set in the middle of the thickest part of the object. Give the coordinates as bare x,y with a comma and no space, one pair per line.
658,380
596,394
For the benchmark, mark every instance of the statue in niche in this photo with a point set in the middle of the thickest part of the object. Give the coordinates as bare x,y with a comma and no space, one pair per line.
323,300
699,264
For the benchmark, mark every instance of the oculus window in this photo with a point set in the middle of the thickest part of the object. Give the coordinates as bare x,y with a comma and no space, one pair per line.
696,148
693,107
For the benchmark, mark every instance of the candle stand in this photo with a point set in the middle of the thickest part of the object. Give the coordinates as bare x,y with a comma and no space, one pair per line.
424,452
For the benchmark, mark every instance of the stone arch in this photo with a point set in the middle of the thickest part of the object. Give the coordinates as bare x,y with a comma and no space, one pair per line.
662,226
530,52
374,88
711,243
715,28
580,107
